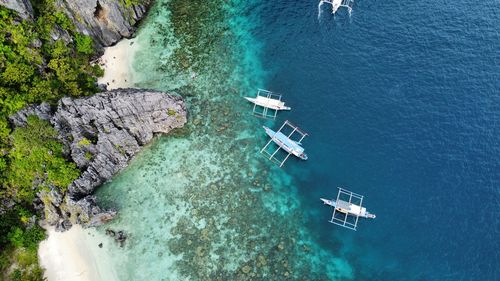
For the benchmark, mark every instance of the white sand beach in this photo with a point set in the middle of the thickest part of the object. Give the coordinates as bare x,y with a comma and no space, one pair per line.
117,64
75,255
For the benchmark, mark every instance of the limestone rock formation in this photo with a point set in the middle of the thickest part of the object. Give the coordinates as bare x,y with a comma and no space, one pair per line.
101,133
107,21
22,7
106,130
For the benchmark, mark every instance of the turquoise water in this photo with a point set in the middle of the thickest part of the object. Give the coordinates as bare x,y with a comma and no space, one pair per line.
401,103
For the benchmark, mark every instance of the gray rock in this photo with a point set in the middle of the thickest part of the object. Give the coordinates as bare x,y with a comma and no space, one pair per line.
107,21
63,225
22,7
112,127
42,111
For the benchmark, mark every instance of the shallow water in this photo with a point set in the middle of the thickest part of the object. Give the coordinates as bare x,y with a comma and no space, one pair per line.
401,104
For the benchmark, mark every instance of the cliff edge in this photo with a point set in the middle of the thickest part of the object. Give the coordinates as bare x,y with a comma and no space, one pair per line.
101,133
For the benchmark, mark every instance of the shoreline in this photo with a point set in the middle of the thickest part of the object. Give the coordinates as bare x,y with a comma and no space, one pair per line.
74,255
117,64
70,256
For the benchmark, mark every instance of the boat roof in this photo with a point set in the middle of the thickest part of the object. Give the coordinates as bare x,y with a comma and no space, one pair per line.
352,208
288,142
269,101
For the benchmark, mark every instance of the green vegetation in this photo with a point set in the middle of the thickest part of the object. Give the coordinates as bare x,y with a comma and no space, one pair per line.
36,155
129,3
84,142
171,112
19,245
40,60
88,155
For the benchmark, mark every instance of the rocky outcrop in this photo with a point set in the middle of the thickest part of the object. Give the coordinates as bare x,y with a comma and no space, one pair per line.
22,7
107,21
101,133
106,130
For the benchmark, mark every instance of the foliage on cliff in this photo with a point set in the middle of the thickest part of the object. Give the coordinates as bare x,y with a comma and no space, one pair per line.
19,238
41,59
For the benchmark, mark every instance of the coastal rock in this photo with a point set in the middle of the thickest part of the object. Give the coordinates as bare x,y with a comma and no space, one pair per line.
101,133
42,111
119,236
107,21
63,225
22,7
110,128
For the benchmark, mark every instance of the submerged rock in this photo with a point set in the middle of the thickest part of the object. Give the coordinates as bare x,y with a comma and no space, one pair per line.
119,236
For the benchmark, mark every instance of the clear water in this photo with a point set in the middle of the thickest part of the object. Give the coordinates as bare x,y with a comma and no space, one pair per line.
401,101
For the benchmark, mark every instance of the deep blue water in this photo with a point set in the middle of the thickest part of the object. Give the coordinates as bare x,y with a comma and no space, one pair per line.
402,104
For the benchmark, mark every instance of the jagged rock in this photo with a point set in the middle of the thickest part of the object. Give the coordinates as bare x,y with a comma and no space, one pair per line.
107,21
63,225
42,111
57,33
111,127
85,211
6,204
118,123
51,201
22,7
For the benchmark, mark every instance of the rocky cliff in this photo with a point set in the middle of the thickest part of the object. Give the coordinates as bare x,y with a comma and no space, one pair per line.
102,134
106,21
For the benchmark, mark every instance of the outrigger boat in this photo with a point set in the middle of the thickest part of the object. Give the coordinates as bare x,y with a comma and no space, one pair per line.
336,4
285,142
347,208
266,101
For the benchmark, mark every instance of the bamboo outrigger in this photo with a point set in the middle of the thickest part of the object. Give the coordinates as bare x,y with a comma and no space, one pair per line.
347,209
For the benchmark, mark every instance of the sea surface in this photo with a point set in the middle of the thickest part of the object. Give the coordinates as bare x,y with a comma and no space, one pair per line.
401,101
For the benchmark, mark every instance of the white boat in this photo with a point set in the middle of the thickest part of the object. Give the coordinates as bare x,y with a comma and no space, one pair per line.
268,103
349,208
286,143
336,4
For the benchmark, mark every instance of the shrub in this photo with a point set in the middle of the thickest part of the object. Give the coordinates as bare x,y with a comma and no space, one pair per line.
84,142
84,44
